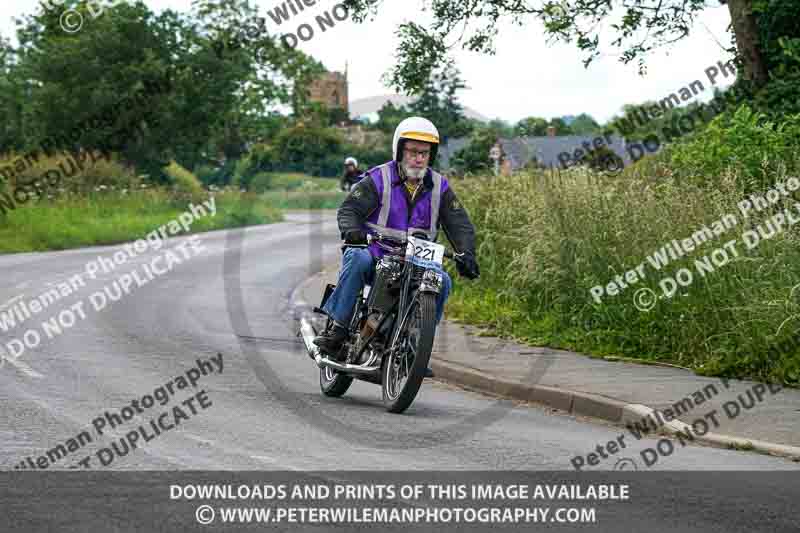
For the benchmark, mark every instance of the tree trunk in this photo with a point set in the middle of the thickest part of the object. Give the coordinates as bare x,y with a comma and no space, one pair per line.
745,31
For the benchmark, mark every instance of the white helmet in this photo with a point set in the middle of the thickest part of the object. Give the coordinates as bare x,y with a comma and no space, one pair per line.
351,161
415,129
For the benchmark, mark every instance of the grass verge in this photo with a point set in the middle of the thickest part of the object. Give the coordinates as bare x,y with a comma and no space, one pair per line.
73,222
544,240
303,199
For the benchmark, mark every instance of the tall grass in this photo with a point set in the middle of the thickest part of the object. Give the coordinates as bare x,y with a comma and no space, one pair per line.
544,240
84,199
64,174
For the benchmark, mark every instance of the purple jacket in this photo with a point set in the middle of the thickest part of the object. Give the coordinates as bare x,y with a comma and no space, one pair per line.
379,203
392,216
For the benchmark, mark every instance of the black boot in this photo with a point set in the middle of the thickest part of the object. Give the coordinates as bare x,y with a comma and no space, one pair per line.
331,342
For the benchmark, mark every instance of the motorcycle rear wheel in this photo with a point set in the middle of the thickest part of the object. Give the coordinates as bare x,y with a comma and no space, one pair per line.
332,383
404,366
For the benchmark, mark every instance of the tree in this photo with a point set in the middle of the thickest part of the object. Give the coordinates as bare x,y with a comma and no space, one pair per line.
309,148
474,157
338,115
531,127
268,73
389,116
12,97
584,124
500,128
640,121
322,115
560,126
779,43
109,61
538,127
635,28
304,146
438,102
213,97
745,31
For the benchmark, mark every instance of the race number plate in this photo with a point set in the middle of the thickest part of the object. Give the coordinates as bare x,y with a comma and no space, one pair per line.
424,253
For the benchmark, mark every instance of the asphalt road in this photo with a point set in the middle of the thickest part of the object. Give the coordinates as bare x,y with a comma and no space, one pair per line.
266,411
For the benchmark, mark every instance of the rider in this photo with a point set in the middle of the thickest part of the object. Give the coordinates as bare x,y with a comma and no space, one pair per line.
403,195
352,174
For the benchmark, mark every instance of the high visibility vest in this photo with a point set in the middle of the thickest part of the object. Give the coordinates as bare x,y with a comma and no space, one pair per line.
392,218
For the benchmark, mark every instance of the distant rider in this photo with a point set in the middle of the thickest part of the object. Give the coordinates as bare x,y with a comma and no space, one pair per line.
352,174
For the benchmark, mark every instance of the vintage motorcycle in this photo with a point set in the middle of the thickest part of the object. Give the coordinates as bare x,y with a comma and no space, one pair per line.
392,330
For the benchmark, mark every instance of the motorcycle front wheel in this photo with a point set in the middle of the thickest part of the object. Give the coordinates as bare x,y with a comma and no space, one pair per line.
331,382
404,365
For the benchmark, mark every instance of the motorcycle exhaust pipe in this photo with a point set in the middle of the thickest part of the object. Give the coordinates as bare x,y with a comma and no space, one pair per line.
344,367
308,333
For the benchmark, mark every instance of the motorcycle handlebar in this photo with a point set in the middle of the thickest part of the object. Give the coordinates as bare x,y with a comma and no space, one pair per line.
449,254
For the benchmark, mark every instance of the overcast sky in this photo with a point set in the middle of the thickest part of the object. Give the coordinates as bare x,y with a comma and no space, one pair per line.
526,77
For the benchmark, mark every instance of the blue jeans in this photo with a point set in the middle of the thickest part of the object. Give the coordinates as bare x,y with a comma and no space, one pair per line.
358,268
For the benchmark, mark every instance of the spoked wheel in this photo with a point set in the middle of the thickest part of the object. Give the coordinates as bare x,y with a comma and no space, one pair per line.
405,363
332,382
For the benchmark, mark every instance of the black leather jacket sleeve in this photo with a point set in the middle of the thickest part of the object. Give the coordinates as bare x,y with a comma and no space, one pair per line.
357,206
453,218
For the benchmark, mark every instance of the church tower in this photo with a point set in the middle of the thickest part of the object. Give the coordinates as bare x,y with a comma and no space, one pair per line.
331,90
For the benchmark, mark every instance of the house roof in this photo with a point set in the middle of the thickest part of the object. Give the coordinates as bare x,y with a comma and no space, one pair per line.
521,150
448,150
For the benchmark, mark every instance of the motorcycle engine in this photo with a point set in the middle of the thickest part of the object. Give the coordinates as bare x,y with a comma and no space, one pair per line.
387,281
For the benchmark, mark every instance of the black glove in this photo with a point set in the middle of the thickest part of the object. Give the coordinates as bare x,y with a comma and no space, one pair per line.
467,266
355,236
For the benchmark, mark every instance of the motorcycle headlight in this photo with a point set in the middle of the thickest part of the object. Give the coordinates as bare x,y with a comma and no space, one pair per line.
431,280
433,276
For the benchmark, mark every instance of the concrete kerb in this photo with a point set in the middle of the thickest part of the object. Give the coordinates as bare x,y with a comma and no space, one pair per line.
635,412
593,405
574,402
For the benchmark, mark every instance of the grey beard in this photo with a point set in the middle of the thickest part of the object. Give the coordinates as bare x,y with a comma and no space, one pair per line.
414,173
